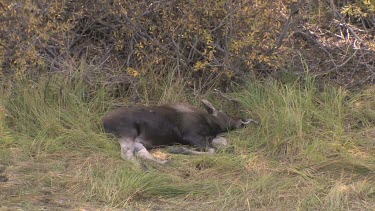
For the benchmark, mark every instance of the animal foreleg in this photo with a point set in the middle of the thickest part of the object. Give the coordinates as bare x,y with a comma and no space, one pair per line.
127,148
210,151
216,143
142,152
187,151
200,142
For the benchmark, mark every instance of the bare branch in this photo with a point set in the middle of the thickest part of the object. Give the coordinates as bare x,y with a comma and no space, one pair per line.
294,10
227,98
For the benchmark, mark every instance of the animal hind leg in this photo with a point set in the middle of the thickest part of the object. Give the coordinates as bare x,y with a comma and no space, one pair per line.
142,152
127,148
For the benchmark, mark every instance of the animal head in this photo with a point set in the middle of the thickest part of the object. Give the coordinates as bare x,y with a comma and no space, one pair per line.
225,120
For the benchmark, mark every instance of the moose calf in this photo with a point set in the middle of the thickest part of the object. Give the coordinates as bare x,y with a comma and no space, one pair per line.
141,128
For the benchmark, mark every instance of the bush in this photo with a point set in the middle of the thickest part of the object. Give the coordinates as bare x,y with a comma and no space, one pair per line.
202,38
204,41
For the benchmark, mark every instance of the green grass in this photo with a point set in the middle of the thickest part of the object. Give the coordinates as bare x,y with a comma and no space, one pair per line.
313,150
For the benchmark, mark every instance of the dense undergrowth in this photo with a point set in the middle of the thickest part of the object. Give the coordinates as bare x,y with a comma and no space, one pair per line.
313,149
212,40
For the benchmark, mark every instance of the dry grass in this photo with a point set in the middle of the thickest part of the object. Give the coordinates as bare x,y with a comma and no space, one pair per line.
313,151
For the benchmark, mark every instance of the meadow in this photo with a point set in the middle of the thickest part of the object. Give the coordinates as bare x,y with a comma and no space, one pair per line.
313,149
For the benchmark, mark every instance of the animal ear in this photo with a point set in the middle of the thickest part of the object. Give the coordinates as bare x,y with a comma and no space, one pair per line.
209,107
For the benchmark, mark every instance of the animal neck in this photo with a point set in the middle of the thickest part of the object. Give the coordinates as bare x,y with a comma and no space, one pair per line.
216,124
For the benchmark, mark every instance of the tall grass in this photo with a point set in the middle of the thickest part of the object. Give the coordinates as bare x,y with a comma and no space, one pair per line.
57,113
312,149
299,120
59,116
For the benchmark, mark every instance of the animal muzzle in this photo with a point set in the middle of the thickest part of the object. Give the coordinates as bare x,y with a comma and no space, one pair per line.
248,121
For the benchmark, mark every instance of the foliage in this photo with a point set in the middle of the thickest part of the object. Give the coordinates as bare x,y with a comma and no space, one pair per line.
203,40
362,12
213,36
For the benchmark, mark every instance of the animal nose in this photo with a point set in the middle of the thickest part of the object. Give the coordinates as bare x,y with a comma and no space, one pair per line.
247,121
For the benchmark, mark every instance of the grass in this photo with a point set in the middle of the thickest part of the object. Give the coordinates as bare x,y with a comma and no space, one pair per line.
312,151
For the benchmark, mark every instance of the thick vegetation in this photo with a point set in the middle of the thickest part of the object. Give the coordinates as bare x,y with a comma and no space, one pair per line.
292,65
205,41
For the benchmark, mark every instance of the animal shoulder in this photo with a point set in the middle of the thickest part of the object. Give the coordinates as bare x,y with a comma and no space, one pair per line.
183,108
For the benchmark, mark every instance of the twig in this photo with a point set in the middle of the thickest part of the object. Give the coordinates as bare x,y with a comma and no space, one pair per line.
351,31
337,66
370,77
226,97
308,35
278,43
